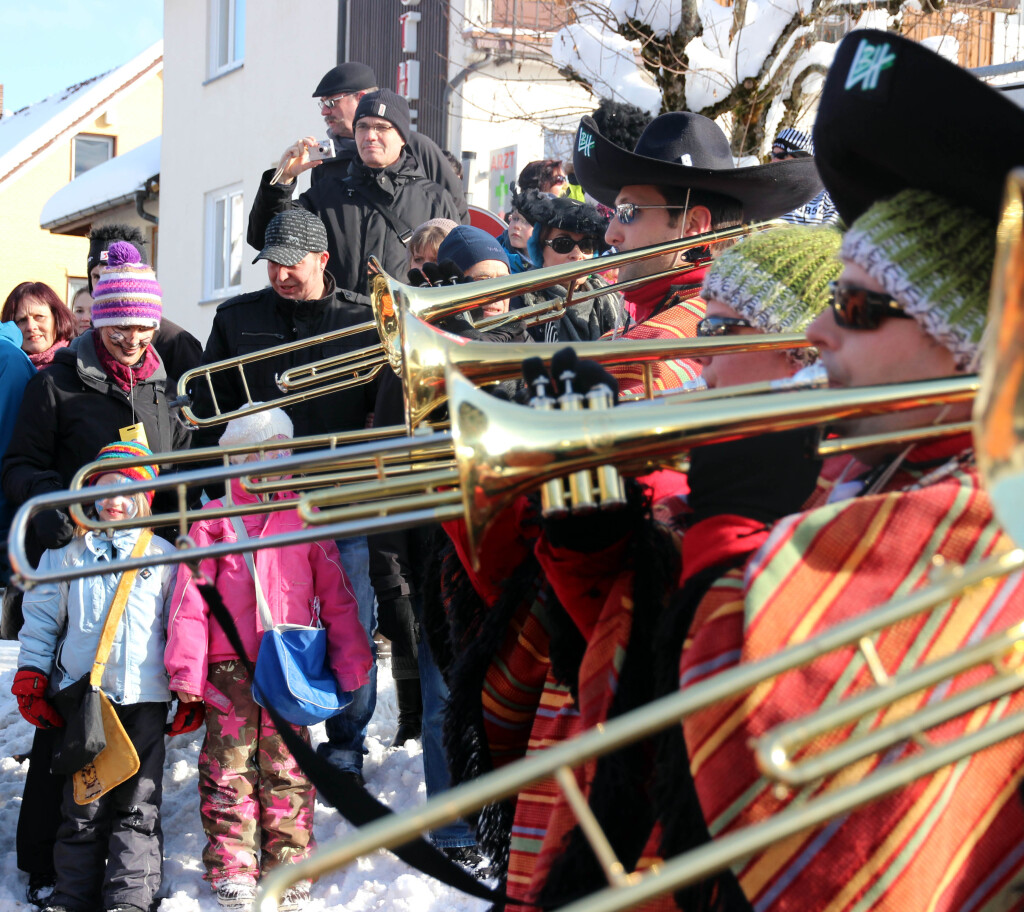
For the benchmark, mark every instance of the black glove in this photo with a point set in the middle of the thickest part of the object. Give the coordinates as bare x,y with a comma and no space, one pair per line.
593,530
434,274
53,528
765,477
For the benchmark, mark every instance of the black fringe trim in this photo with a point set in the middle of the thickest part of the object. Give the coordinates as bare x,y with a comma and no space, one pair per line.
675,795
620,795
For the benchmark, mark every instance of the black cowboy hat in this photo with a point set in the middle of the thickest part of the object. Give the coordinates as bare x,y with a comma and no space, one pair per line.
687,150
894,115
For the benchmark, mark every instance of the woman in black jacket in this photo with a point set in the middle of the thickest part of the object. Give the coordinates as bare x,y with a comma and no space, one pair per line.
108,385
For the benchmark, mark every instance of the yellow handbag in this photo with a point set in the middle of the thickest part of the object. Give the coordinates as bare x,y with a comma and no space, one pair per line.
118,761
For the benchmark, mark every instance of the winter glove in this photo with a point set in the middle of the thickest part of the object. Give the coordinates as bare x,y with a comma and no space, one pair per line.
53,528
187,718
434,274
763,478
30,689
593,530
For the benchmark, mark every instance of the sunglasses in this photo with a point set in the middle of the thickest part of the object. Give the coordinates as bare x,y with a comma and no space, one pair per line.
626,212
858,308
565,244
333,100
789,153
721,326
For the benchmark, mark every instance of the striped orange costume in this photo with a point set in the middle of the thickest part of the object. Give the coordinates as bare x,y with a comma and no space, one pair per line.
663,309
949,842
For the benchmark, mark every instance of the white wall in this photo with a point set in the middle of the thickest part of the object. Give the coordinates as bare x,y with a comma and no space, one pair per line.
230,129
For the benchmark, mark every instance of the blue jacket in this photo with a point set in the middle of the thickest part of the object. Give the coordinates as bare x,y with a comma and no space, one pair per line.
15,372
63,621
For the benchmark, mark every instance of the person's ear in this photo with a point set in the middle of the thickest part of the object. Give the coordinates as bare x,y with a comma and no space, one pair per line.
324,257
698,221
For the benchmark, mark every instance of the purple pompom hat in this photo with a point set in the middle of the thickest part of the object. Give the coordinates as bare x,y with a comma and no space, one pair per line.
127,293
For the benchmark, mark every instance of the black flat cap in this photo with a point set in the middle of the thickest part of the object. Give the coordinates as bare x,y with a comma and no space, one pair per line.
345,77
291,235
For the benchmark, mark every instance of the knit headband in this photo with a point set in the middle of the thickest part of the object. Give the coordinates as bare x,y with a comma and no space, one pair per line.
935,258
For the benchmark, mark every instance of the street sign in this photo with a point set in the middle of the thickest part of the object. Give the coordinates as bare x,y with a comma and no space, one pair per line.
488,221
501,176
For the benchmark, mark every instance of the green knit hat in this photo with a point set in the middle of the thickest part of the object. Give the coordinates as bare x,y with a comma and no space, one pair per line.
778,279
935,258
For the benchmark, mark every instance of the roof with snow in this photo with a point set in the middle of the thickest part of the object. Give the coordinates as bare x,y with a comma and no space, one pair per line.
31,130
108,185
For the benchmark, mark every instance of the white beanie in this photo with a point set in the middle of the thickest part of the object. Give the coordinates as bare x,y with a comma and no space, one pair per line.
257,427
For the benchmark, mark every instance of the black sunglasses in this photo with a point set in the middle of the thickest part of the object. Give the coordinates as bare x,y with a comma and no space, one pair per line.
721,326
858,308
565,244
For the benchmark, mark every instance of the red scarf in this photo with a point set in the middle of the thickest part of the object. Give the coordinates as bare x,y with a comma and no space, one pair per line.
123,375
45,358
643,302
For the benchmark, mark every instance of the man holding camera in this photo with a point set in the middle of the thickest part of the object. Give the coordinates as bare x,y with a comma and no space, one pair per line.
369,208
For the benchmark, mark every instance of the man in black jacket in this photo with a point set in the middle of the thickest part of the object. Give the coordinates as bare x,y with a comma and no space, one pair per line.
301,302
339,94
372,207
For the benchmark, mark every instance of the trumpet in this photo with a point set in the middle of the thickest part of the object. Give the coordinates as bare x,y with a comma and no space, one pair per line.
393,300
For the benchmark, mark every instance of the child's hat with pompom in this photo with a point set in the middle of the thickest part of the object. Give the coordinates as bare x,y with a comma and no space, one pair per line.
127,293
111,455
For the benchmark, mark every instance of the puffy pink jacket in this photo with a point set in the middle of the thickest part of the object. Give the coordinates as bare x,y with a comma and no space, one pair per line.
291,578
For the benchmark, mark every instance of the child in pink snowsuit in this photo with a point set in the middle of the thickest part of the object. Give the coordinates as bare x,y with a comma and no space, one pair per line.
255,802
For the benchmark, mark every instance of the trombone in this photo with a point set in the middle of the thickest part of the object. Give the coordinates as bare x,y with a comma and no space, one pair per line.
392,300
501,451
355,368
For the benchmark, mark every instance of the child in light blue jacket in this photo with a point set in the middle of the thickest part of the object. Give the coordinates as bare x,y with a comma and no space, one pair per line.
108,853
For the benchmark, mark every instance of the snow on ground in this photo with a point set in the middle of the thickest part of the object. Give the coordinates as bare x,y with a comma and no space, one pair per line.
380,881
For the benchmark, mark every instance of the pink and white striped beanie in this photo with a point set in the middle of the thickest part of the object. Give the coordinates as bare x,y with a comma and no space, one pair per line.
127,293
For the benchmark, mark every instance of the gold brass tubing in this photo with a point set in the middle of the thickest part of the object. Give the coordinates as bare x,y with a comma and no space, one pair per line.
614,871
838,446
692,867
312,506
445,504
775,751
333,479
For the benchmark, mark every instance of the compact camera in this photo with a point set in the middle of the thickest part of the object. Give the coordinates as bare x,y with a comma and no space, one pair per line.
322,151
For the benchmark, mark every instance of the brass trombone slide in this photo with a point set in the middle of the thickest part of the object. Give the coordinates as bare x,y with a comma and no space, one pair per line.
630,890
504,450
390,297
26,576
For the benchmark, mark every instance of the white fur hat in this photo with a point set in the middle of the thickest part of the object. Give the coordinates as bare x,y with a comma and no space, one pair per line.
257,427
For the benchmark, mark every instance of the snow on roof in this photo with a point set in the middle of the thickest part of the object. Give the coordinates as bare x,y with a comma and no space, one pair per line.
28,131
112,183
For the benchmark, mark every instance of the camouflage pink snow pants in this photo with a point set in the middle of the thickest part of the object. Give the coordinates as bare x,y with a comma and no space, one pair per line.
256,804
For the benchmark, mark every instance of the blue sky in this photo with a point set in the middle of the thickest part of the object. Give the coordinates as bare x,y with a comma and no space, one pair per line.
46,45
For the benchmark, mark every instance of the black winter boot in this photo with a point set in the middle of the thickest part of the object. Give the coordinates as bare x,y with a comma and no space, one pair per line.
410,711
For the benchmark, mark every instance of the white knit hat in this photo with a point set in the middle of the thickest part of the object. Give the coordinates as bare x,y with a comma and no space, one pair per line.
257,427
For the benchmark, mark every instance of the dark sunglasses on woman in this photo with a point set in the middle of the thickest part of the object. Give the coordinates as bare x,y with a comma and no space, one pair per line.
565,244
858,308
721,326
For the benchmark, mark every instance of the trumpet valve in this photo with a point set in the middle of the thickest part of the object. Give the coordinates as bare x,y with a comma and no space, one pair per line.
610,486
581,484
552,493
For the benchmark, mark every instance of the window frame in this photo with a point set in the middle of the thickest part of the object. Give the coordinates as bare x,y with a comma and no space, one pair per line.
111,142
217,251
219,10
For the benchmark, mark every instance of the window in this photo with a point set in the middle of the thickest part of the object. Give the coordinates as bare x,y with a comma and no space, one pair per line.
222,275
227,35
75,284
88,151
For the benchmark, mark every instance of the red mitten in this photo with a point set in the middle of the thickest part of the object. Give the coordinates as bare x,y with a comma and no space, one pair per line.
30,689
187,718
